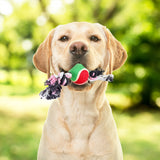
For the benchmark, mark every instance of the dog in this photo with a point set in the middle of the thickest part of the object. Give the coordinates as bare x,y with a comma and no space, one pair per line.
80,124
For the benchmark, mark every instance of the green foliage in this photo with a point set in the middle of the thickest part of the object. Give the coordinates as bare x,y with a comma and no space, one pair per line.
135,23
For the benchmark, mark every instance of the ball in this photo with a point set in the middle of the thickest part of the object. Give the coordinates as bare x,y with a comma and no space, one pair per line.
80,74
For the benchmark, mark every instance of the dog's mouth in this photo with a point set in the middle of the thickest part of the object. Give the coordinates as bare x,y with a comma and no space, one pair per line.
61,69
75,86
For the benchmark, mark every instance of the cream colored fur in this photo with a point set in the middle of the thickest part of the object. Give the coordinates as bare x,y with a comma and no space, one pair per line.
80,124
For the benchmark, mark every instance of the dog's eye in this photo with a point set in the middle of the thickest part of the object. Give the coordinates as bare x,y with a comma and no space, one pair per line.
64,38
94,38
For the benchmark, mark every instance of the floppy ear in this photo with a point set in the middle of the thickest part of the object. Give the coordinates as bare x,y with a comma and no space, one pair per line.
118,54
41,58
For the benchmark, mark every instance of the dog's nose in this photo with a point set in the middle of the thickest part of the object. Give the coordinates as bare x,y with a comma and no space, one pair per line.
78,49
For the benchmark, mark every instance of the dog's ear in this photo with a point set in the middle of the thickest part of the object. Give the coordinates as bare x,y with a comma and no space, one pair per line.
41,58
118,54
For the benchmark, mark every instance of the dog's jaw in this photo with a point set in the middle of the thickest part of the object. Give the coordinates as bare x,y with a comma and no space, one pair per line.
84,87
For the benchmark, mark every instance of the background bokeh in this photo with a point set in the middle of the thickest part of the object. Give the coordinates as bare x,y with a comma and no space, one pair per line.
134,95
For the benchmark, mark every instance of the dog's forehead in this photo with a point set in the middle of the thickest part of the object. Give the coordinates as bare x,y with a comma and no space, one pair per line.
79,27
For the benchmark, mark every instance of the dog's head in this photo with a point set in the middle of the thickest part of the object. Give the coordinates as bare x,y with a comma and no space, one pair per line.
92,45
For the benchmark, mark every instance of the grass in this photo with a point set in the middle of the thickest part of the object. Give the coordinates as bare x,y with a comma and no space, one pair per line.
140,134
22,119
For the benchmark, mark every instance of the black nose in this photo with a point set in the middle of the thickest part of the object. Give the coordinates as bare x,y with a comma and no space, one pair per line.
78,49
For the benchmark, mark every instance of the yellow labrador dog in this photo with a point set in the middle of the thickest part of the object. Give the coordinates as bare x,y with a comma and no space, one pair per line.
80,125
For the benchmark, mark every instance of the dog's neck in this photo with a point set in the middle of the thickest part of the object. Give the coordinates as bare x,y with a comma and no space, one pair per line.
82,99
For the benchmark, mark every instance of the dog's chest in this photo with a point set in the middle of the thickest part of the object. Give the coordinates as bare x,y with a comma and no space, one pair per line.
80,121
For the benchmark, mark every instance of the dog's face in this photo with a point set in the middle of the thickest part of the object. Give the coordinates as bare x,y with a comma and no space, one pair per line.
79,42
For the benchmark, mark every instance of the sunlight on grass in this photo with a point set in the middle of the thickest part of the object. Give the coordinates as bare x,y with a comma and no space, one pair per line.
21,122
22,119
24,105
117,99
139,134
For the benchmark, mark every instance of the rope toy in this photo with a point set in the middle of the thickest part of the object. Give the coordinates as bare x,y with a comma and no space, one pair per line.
78,75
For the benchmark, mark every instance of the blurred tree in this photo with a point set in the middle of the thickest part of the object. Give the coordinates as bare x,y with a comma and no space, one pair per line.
135,23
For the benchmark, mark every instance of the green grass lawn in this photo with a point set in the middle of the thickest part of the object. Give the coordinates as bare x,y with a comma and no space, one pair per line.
22,118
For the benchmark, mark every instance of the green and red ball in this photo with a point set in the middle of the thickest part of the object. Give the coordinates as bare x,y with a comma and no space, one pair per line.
80,74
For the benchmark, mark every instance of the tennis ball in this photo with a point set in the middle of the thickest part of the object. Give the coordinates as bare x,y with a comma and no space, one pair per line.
80,74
